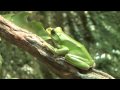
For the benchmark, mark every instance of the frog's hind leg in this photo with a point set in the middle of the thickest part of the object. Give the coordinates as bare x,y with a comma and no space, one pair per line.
71,59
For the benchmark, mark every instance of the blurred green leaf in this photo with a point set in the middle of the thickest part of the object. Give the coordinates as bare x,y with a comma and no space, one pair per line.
21,19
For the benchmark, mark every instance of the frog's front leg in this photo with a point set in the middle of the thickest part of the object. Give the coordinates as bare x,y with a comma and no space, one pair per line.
61,51
77,61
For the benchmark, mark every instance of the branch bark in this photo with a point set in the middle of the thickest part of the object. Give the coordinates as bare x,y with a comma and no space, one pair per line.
37,47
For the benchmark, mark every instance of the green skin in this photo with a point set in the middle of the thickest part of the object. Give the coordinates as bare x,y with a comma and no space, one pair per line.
75,53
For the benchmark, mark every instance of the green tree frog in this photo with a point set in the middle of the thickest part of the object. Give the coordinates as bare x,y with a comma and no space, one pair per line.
74,52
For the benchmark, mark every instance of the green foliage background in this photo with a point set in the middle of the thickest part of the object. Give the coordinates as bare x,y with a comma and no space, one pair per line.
97,30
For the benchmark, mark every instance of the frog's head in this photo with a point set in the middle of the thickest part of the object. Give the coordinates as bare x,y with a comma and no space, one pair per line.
53,31
48,30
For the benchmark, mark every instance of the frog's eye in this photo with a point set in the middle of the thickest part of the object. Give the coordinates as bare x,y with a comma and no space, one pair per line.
52,32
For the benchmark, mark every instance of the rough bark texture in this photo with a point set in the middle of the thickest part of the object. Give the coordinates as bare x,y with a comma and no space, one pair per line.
37,47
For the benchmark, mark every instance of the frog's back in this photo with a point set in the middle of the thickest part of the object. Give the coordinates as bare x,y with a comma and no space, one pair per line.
69,42
74,46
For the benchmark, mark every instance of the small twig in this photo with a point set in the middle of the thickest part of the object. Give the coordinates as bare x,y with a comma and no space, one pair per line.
37,47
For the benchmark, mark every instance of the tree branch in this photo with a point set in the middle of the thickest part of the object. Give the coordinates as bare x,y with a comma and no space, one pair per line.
37,47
